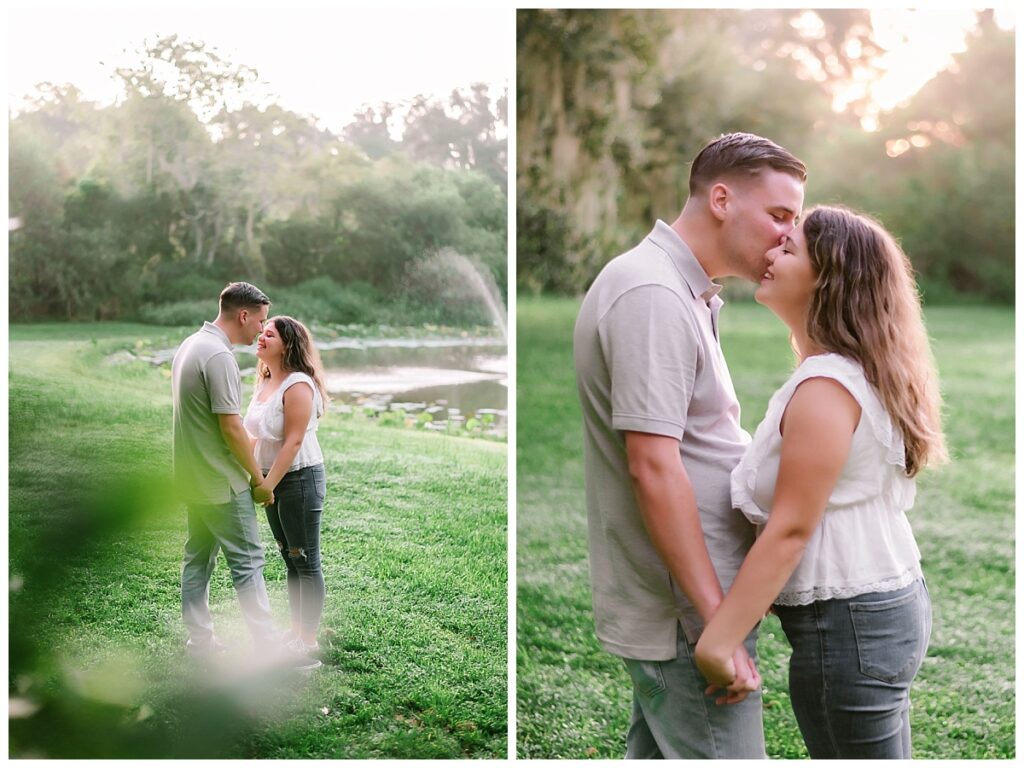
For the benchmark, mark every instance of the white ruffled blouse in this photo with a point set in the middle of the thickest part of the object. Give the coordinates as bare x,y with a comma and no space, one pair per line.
864,542
265,422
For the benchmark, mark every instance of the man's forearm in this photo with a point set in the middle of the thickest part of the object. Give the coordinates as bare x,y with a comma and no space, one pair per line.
670,514
237,440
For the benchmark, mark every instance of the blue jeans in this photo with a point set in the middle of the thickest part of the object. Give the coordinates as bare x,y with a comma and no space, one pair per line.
232,528
850,673
294,519
673,719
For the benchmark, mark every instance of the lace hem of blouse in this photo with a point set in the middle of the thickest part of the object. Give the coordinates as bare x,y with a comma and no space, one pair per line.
815,594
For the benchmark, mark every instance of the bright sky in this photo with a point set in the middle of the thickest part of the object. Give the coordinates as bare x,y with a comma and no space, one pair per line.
919,44
329,62
324,62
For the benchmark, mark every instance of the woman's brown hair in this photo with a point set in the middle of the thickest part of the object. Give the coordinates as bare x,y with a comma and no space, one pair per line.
300,354
866,307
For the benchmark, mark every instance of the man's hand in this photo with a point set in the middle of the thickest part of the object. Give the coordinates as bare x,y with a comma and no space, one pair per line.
262,495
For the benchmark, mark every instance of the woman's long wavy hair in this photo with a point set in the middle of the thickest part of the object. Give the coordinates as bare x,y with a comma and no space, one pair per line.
300,354
866,307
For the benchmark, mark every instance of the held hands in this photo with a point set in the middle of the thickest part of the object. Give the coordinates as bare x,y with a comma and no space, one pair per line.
736,675
262,495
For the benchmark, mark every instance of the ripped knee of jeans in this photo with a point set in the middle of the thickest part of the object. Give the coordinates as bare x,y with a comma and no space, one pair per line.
297,554
280,546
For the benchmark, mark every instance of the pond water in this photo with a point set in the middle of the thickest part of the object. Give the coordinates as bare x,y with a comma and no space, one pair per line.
444,376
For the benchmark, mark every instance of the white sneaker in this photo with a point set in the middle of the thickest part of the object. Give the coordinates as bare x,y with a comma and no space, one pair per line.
298,655
301,645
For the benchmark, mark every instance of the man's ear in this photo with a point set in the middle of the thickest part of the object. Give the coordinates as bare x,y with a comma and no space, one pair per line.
243,316
719,197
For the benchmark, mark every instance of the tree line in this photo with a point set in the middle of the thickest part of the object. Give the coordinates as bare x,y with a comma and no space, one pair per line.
143,209
613,105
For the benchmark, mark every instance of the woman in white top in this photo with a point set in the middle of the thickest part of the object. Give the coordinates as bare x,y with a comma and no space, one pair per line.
829,476
282,418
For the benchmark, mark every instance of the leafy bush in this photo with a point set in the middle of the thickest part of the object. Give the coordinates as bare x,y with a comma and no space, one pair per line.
191,313
193,287
438,296
322,300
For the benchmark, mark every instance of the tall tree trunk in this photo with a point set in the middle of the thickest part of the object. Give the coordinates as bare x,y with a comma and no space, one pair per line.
198,230
251,246
218,225
150,153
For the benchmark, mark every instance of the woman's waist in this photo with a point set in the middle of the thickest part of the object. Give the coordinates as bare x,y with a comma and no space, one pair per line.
822,580
891,586
306,469
300,470
309,452
264,442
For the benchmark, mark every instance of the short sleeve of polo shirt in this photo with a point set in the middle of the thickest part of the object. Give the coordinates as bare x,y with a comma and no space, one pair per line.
651,350
224,383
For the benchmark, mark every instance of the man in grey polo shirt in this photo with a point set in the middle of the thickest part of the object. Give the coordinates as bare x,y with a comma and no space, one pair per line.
661,437
215,470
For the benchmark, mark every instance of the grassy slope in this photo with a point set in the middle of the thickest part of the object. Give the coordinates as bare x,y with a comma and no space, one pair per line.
573,699
414,545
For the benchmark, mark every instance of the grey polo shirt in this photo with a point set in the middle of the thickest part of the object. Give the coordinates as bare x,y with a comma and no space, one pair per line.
648,360
205,381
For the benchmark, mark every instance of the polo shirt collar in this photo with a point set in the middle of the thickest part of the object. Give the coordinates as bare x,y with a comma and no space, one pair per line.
682,257
211,328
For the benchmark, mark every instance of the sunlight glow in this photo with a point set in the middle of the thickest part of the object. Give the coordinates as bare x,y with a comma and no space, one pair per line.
918,45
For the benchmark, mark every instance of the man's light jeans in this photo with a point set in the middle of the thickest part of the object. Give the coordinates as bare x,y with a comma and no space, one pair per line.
230,527
674,719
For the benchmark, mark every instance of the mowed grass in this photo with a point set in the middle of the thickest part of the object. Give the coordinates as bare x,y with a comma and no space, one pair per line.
573,699
414,550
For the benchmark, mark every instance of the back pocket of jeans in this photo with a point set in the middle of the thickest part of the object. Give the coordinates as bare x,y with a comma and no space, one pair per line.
889,636
648,679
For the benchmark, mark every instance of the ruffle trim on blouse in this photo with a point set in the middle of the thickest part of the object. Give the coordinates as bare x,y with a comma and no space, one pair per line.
813,595
850,375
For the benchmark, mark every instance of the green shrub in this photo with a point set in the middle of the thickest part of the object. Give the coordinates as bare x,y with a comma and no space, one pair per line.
177,313
192,287
322,300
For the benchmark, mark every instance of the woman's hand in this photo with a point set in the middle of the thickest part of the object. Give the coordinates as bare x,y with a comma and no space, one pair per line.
736,676
719,669
261,494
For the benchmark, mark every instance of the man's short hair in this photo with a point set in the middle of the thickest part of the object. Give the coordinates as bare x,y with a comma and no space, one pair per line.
238,296
741,153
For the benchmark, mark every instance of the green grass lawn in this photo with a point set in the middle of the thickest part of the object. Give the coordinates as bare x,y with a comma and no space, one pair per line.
414,552
573,699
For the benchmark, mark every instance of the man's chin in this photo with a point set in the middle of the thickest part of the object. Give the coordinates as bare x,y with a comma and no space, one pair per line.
755,278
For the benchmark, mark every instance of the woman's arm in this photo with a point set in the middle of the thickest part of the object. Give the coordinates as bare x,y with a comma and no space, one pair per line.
818,428
669,510
298,407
